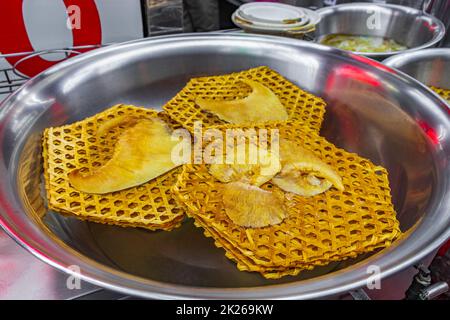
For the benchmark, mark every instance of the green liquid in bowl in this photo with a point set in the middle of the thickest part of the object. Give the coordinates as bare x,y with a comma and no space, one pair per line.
369,44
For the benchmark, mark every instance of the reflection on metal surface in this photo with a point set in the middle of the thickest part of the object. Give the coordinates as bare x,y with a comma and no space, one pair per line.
374,133
22,276
431,66
441,10
164,16
379,122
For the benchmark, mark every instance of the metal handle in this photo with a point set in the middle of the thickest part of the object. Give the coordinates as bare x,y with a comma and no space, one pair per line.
434,291
39,53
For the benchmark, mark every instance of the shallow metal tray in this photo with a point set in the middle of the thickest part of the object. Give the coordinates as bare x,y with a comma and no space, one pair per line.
372,110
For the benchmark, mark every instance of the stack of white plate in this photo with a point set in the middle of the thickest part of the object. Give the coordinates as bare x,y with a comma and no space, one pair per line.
275,18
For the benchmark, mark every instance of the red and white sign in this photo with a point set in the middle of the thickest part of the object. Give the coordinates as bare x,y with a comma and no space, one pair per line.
33,25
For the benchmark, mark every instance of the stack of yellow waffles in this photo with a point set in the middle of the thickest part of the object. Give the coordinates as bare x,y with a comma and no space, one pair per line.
301,106
331,226
77,146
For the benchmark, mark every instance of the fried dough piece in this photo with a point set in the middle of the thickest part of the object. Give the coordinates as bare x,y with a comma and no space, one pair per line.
255,167
303,173
104,128
142,152
260,105
252,207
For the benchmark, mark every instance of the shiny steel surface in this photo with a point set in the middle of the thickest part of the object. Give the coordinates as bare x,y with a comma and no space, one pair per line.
373,110
407,26
435,290
431,66
22,276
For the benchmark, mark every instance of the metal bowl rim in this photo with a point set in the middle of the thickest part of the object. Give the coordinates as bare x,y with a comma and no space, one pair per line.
396,61
425,53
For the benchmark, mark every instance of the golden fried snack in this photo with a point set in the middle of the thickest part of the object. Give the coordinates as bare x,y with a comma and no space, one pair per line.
301,106
80,146
256,165
252,207
261,105
142,152
303,173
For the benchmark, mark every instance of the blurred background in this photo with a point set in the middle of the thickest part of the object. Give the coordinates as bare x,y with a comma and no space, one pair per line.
174,16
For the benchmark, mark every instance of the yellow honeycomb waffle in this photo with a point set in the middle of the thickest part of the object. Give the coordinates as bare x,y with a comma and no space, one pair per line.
243,262
444,93
77,146
332,226
300,105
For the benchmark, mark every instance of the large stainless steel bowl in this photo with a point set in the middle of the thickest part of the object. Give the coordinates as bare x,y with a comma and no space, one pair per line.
372,110
408,26
431,66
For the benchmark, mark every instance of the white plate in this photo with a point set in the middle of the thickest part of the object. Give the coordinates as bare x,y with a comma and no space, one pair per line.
310,19
244,23
268,14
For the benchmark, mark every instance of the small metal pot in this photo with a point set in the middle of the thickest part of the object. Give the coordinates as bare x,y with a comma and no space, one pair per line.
431,66
408,26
